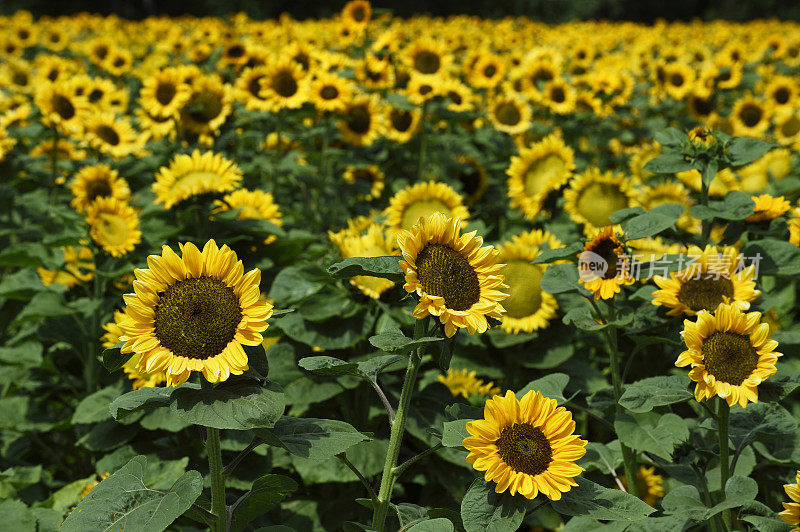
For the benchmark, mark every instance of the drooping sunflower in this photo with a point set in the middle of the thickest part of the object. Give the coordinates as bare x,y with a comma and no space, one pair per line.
284,85
528,307
592,197
456,279
329,92
526,446
650,485
421,200
254,204
113,225
164,93
768,208
607,252
537,171
510,114
368,177
195,174
97,181
372,242
194,313
791,510
78,268
113,136
465,383
730,354
361,122
710,278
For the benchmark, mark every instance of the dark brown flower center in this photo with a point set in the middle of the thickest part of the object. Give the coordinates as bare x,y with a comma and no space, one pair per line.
427,62
63,107
108,134
401,120
207,104
329,92
197,317
165,92
729,357
446,273
705,294
97,188
284,84
525,449
508,114
359,119
751,114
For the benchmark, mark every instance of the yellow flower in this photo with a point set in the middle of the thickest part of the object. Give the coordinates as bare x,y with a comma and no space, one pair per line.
284,85
768,208
526,446
195,174
372,243
98,181
361,122
456,279
164,93
371,176
465,383
791,510
510,114
75,260
194,313
113,225
421,200
730,354
649,484
592,197
605,249
113,136
254,204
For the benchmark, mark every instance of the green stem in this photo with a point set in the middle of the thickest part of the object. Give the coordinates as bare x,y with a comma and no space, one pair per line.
707,221
395,439
217,479
724,472
90,368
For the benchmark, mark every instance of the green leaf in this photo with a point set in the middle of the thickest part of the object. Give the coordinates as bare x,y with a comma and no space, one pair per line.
369,369
559,278
315,439
26,354
297,282
551,255
759,420
744,150
124,502
670,137
606,504
454,432
773,257
393,340
26,255
659,439
143,399
736,206
16,516
386,267
440,524
552,386
646,394
94,408
583,318
762,517
684,501
230,405
333,334
605,458
653,221
266,492
483,510
668,163
624,214
22,285
114,359
739,490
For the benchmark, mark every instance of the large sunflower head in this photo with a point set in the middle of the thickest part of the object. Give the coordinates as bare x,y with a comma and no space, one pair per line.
537,171
194,313
526,446
791,510
98,181
528,307
730,354
114,225
195,174
371,242
455,278
61,107
421,200
594,196
711,276
284,85
604,266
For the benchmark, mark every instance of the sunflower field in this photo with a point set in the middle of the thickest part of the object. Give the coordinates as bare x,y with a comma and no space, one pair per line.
367,273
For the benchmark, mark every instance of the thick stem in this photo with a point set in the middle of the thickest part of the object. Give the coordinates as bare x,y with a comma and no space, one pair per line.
217,479
396,437
724,460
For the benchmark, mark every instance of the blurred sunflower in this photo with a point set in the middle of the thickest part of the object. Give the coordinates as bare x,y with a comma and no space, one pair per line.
113,136
356,14
456,279
371,242
528,307
97,181
284,85
791,510
164,93
526,446
730,354
407,206
427,56
253,204
60,107
369,177
592,197
207,108
650,485
194,313
750,117
195,174
361,122
401,124
330,92
113,225
78,268
768,208
510,114
472,177
466,383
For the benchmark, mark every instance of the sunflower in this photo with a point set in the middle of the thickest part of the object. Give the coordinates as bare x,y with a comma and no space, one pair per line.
678,80
640,156
730,354
195,174
510,114
371,242
593,197
750,117
60,106
537,171
456,279
164,93
209,105
330,92
254,204
528,307
465,383
427,56
76,259
98,181
787,127
194,313
248,88
458,96
768,208
526,446
710,278
472,177
284,85
782,92
559,97
422,88
791,510
155,127
6,142
140,379
650,485
487,72
356,14
113,136
794,227
608,252
401,124
361,122
420,201
113,225
369,177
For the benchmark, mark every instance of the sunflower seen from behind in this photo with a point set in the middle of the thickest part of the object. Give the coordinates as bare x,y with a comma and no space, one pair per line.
456,279
194,313
730,354
526,446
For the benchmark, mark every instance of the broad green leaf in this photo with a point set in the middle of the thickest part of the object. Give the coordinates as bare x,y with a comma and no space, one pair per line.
606,504
745,150
605,457
22,285
624,214
659,439
454,432
559,278
114,358
773,257
124,502
393,340
16,516
25,354
769,420
762,517
315,439
266,492
297,282
739,490
653,221
440,524
483,510
551,255
94,408
646,394
551,387
368,369
684,501
332,334
144,398
230,405
736,206
386,267
670,137
668,163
